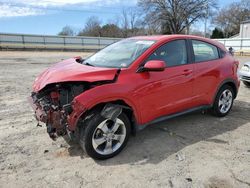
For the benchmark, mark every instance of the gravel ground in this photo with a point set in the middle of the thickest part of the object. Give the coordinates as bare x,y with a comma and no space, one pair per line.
195,150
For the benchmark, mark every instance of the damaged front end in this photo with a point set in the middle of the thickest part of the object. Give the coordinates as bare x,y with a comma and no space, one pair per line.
52,105
54,91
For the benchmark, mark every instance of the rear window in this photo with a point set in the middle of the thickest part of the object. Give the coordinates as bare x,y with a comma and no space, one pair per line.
204,51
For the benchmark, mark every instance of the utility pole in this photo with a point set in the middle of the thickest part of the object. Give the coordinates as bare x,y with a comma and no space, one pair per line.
187,28
206,17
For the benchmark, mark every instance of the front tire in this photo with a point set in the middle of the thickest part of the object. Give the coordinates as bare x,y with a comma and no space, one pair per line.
103,138
246,83
223,101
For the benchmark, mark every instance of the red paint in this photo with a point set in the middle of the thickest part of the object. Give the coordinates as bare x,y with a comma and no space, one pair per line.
155,65
70,70
150,94
54,95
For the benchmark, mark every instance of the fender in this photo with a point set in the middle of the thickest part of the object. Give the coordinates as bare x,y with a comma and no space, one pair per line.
98,95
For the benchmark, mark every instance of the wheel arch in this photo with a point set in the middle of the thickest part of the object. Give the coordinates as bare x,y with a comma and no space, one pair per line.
126,108
232,83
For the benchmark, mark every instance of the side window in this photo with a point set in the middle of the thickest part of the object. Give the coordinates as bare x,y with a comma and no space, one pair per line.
173,53
204,51
222,53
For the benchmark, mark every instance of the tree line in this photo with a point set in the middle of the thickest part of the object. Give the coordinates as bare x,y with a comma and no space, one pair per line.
169,17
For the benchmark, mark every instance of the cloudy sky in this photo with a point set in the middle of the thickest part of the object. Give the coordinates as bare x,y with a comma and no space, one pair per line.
49,16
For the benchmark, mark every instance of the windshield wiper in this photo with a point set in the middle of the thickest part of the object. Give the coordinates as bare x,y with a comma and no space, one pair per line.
86,63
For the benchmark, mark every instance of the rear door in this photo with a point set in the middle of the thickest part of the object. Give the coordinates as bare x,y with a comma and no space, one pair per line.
206,71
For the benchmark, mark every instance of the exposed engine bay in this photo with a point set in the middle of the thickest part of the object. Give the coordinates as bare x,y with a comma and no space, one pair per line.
54,92
53,105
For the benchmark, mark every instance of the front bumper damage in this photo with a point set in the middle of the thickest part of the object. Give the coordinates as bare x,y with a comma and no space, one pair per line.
39,114
58,122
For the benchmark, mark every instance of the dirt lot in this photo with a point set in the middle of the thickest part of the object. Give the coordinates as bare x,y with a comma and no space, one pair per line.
195,150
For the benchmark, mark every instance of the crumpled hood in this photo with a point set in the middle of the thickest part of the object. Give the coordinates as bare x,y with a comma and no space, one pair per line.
70,71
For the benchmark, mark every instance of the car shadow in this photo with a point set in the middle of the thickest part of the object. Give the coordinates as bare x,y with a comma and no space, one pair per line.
157,142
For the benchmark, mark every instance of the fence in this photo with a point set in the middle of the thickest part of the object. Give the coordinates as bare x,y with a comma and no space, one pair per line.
46,42
240,45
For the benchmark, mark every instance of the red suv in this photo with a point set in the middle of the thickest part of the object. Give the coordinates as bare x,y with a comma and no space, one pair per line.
101,100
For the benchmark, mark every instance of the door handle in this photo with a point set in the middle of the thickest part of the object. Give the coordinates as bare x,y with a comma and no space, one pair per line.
187,72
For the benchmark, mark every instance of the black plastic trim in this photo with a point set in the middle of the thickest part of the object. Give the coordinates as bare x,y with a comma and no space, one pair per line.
167,117
227,81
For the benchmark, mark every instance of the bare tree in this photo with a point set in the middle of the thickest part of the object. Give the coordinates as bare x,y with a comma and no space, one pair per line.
230,17
125,23
92,27
111,30
173,16
67,31
130,23
133,19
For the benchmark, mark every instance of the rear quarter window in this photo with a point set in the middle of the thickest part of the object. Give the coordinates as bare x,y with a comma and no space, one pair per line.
204,51
222,53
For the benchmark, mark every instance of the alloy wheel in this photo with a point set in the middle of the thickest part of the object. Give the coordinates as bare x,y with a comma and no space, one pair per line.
225,101
109,136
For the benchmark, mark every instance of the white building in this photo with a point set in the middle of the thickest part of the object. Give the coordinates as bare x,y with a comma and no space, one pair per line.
240,42
245,29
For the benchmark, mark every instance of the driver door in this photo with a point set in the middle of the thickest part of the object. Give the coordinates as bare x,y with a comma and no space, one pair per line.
170,91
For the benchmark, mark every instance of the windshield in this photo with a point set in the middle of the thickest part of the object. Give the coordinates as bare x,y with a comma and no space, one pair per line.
120,54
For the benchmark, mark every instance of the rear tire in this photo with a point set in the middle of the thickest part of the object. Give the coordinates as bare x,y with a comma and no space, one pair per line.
246,83
102,138
223,101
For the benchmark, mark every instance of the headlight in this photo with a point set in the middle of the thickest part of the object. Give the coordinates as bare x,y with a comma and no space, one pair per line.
245,68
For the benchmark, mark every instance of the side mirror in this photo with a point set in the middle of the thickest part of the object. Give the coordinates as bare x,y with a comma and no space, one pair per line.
154,66
79,59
